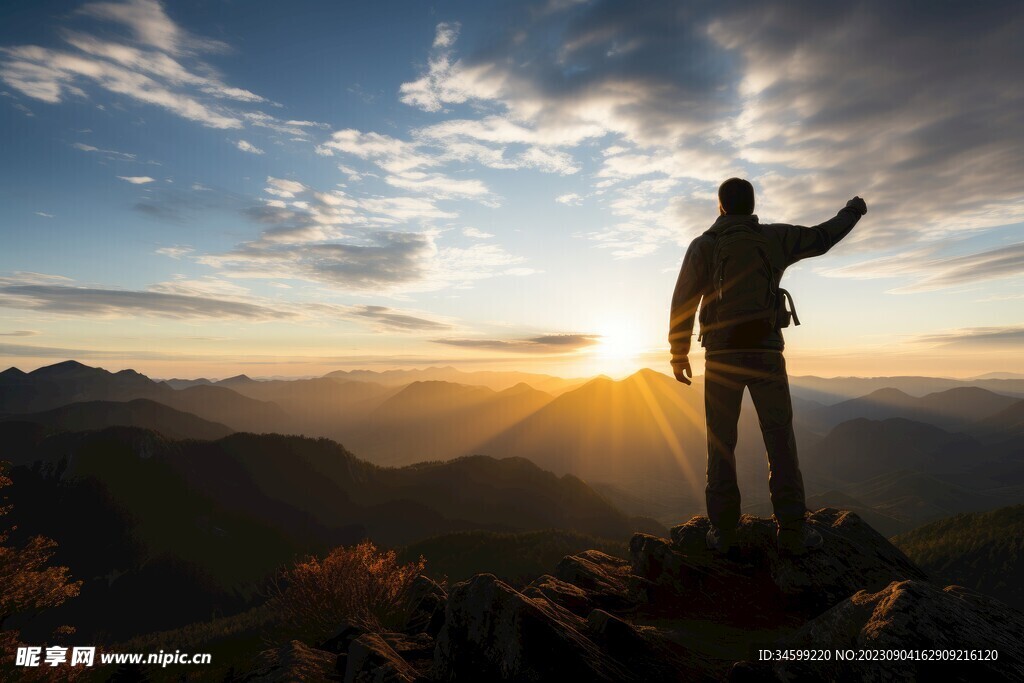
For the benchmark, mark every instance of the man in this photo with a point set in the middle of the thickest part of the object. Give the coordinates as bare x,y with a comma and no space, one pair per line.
745,351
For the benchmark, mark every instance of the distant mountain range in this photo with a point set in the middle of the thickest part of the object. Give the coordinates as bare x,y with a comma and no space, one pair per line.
639,441
214,518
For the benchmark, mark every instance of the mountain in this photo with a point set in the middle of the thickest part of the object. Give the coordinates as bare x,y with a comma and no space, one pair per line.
950,409
140,412
436,420
208,521
494,379
176,383
830,390
916,498
72,382
981,550
861,449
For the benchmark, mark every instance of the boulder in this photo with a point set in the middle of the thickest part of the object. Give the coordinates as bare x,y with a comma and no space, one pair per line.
756,584
908,616
425,603
493,632
372,660
296,662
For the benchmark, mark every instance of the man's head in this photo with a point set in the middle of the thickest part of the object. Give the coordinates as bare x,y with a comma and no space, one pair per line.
736,196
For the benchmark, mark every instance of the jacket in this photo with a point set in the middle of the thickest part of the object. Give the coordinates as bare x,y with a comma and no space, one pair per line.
694,282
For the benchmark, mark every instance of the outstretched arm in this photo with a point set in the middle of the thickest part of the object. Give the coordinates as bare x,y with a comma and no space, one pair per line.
685,299
800,243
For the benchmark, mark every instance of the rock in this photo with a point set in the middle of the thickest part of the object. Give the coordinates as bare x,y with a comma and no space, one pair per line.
342,638
563,593
426,603
608,581
493,632
908,616
689,579
372,660
296,662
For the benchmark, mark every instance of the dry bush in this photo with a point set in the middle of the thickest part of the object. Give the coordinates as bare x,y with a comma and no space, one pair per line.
28,585
361,584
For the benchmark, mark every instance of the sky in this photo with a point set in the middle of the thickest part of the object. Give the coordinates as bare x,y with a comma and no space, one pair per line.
214,187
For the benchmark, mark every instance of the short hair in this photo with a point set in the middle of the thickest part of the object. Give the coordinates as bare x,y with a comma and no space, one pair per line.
737,196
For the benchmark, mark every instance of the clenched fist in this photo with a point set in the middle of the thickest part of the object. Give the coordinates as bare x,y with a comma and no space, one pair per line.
858,204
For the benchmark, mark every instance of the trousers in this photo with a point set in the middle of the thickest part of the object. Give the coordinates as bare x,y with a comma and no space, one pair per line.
763,373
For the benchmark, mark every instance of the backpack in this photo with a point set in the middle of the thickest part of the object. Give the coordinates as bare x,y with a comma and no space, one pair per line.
744,282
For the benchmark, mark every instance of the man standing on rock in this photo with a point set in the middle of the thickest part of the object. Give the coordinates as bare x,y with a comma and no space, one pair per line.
732,272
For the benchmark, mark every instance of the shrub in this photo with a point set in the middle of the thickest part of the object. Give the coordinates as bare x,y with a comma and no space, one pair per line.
361,584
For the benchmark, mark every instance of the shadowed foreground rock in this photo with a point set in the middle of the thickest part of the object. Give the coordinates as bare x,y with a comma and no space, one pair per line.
905,615
677,612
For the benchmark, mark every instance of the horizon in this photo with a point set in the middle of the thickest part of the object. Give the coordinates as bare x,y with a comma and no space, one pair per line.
204,188
378,370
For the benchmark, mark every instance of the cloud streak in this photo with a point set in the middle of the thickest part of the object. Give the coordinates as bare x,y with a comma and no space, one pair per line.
552,343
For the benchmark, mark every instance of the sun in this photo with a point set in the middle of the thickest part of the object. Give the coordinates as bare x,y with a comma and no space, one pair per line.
619,345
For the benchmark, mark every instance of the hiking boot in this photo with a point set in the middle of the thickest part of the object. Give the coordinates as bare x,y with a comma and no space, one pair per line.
798,540
720,541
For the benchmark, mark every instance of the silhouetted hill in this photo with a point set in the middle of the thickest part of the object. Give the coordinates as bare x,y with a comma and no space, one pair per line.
862,448
831,390
981,550
495,379
950,409
137,413
432,419
176,383
72,382
226,513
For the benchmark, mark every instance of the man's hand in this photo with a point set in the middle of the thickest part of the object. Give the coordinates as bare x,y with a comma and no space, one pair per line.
858,204
681,369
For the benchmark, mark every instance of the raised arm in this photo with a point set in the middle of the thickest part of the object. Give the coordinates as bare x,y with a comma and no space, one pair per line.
690,285
800,243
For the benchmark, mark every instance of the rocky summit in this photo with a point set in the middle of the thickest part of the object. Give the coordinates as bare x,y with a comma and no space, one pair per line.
675,611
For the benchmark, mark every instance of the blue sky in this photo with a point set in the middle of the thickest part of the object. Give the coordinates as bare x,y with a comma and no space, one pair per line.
288,188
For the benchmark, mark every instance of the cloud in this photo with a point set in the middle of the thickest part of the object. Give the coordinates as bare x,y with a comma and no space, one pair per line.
136,179
151,71
248,147
19,333
569,199
195,299
554,343
120,156
358,243
926,270
175,252
476,234
388,319
814,105
981,337
44,214
87,301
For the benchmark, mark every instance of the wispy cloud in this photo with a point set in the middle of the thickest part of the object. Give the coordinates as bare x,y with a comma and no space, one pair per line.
197,299
120,156
552,343
983,337
246,146
150,71
175,252
925,269
136,179
44,214
19,333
